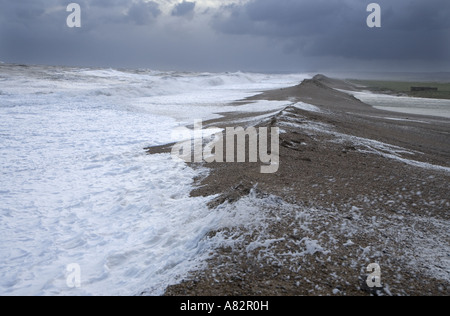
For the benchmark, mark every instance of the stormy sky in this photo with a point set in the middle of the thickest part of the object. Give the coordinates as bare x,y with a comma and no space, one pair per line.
229,35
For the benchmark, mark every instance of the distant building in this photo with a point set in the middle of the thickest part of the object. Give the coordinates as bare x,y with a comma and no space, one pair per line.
415,89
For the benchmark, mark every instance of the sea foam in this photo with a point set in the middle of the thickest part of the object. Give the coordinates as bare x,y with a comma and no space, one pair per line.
77,187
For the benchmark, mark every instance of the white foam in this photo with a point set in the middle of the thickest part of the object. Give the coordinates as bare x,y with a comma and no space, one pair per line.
365,145
307,107
77,187
404,104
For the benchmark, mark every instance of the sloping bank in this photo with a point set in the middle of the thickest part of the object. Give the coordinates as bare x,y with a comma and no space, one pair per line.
354,187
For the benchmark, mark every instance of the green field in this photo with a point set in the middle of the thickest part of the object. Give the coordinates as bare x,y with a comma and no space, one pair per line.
404,88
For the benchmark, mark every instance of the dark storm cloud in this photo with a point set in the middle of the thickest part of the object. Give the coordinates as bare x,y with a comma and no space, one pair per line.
43,13
144,12
183,8
248,35
413,29
35,31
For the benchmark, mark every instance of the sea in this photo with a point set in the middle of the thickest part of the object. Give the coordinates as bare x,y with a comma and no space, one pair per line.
84,210
407,105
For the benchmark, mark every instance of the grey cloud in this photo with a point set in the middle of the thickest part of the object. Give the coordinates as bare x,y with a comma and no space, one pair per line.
21,12
144,12
281,18
36,14
257,35
139,12
183,8
413,29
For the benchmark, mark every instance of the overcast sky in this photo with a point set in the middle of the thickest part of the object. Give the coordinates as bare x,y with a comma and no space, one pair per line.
229,35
